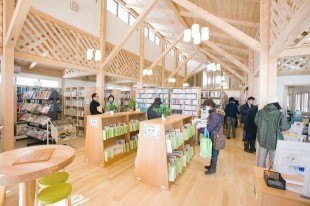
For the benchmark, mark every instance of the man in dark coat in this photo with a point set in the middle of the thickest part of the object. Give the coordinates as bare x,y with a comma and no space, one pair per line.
93,107
152,114
244,109
231,111
250,130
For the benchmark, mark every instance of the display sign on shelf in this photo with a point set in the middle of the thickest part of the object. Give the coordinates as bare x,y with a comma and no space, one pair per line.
151,131
93,122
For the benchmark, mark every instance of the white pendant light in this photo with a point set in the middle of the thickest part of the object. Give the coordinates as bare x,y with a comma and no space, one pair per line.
97,55
223,78
185,84
187,37
195,30
89,54
171,80
213,67
218,67
204,34
197,40
149,72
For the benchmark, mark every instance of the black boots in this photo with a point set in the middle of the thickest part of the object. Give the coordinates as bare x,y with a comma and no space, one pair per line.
249,146
252,146
211,170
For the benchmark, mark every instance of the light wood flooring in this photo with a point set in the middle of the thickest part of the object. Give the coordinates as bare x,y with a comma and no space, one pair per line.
232,185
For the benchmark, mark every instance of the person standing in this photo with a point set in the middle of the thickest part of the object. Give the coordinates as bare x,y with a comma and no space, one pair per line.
231,111
250,130
152,114
244,109
93,107
270,124
215,120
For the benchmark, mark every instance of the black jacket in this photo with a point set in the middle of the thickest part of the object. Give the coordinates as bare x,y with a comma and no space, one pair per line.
244,109
231,110
249,124
151,114
93,107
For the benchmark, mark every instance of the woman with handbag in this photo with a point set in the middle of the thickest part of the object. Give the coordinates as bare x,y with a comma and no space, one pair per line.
215,119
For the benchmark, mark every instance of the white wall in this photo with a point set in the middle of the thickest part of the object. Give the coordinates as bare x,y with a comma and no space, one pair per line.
284,81
74,83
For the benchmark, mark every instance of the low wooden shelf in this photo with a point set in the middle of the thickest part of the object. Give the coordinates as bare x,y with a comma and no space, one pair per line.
151,161
95,144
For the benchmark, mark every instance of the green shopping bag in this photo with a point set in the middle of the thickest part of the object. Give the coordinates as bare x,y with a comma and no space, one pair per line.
205,144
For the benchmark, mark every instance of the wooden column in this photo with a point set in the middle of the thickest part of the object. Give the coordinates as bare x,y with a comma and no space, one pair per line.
251,72
100,80
176,63
272,76
264,55
163,62
185,68
7,82
140,84
195,80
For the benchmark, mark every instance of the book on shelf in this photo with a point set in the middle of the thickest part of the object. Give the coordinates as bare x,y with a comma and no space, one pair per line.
114,130
120,147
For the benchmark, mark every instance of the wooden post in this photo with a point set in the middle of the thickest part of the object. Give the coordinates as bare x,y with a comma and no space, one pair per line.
140,84
100,80
195,80
264,54
272,76
7,82
185,68
163,62
176,63
251,72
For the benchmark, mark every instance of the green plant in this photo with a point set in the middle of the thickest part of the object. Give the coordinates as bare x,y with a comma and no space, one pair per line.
111,107
163,110
131,104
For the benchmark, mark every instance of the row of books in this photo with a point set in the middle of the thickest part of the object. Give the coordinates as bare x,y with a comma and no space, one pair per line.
114,130
181,101
37,133
75,93
37,95
75,102
178,160
183,107
188,90
74,112
36,119
120,147
37,108
63,131
183,96
175,138
134,125
150,101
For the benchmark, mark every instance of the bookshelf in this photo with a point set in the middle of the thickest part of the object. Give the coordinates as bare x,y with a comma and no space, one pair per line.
219,97
115,92
110,138
76,106
125,97
145,97
185,101
165,147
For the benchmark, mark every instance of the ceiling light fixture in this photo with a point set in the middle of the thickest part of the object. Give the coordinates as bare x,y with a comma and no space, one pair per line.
171,80
185,84
147,72
91,53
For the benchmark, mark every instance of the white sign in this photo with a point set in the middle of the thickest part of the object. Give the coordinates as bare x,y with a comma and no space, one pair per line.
151,131
93,122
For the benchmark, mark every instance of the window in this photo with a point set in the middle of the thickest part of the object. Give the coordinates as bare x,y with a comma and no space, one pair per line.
157,40
180,57
297,102
49,83
288,101
25,81
112,7
305,102
151,35
132,19
146,32
123,14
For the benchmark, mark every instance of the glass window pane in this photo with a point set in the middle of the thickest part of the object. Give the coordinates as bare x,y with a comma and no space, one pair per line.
49,83
112,7
146,32
25,81
157,40
151,35
123,14
132,19
305,101
297,102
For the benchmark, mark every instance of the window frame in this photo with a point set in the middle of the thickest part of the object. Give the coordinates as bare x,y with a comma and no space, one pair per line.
116,11
120,8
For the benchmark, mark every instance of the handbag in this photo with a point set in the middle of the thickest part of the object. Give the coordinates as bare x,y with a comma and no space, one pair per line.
219,140
205,144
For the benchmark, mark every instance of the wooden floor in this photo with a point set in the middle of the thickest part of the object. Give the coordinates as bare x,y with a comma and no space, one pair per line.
232,185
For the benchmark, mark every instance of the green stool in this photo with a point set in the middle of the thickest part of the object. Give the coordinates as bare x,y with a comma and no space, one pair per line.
55,178
55,193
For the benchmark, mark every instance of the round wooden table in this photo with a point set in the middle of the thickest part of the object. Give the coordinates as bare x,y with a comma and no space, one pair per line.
26,174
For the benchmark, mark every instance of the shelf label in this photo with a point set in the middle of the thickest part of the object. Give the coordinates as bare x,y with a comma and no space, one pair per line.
93,122
151,131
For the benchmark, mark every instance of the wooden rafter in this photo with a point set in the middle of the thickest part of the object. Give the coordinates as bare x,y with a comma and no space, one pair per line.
303,40
228,56
195,71
176,11
32,65
226,67
295,52
220,24
182,65
17,22
132,29
298,24
230,21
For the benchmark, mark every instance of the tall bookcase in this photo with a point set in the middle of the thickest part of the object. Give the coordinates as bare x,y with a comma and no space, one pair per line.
76,106
116,93
155,159
145,97
125,97
185,101
219,97
111,137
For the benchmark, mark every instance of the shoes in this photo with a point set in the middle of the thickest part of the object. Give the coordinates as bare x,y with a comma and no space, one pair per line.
212,170
208,167
243,139
228,137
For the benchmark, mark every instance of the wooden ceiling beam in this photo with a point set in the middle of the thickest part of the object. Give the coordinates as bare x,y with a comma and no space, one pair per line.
221,24
163,22
182,65
297,25
226,67
303,51
176,12
230,21
303,40
195,70
32,65
130,31
17,22
227,56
